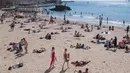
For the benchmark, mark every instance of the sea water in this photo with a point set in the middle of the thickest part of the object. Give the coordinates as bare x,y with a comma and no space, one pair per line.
115,11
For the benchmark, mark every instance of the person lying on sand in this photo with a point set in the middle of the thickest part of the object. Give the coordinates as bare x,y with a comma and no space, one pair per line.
87,30
81,63
15,66
15,46
126,39
109,44
121,44
39,51
86,71
81,46
52,33
99,37
126,36
97,41
48,36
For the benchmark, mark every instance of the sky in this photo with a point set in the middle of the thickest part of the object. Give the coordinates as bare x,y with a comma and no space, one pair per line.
94,0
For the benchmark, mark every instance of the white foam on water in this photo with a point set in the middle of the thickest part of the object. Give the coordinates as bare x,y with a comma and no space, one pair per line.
114,3
94,20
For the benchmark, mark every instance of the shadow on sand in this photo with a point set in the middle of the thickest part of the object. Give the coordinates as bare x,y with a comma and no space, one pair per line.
19,55
63,70
48,70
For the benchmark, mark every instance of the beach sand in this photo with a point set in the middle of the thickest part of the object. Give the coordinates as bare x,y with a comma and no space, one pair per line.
102,61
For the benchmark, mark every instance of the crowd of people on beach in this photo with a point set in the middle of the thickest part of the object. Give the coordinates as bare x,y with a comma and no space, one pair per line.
112,43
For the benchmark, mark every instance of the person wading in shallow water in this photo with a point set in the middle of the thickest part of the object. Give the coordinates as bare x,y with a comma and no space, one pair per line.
123,23
66,58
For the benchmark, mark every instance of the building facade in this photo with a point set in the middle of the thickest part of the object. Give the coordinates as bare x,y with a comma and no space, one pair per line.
4,3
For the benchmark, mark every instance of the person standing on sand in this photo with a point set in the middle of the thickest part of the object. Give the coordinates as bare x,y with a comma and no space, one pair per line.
12,26
115,42
127,29
25,43
66,58
53,58
1,19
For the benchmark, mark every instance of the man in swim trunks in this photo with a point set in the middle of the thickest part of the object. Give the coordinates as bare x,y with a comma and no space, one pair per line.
66,58
25,43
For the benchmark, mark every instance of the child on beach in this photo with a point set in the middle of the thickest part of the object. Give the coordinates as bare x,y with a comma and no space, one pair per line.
66,58
53,58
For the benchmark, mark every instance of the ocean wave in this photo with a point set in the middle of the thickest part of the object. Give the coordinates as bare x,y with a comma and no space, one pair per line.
115,3
93,20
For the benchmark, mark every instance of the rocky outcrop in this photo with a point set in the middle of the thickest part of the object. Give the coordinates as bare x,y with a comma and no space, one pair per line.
60,8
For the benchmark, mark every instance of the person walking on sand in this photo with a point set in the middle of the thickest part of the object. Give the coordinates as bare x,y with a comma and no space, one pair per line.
53,58
12,26
115,43
66,58
127,29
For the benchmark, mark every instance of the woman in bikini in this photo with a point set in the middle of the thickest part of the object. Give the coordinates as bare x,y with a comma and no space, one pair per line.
53,58
66,58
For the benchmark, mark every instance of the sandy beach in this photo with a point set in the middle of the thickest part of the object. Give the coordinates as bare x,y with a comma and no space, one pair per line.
102,60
